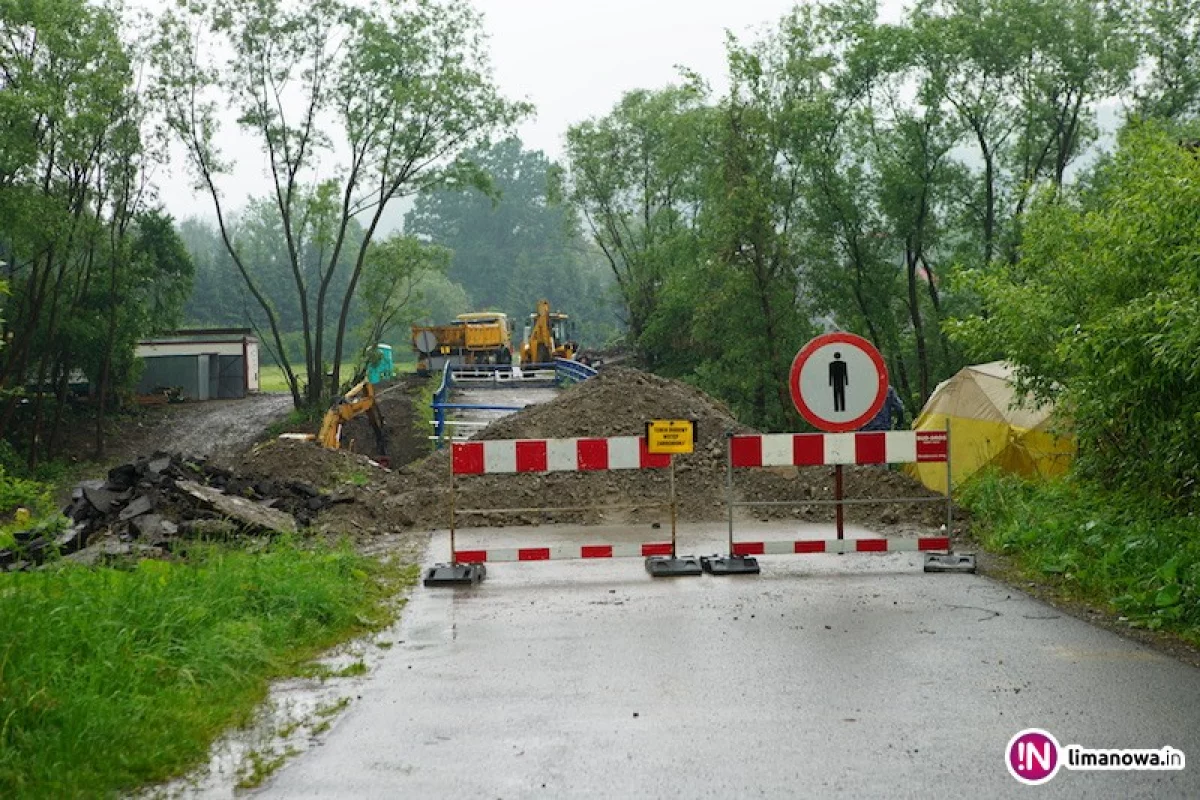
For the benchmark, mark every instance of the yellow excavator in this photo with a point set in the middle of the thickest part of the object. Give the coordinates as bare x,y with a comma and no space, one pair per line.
359,400
547,337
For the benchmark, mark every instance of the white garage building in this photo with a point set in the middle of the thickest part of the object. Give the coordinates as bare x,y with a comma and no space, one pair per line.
206,364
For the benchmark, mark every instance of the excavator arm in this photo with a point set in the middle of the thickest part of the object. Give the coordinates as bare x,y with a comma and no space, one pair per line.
540,347
357,401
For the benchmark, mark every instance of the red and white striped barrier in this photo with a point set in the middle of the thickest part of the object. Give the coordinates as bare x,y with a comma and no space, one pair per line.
513,456
802,546
564,553
555,455
819,449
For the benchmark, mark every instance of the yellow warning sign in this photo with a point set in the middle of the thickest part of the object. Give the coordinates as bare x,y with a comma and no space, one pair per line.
671,435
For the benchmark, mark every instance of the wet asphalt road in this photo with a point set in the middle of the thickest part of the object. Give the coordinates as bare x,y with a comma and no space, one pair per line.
854,676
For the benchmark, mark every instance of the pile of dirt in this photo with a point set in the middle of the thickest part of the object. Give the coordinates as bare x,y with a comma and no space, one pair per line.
370,489
304,461
619,402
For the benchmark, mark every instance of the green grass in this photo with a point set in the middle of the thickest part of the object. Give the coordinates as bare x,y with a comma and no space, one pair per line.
262,766
307,419
1124,551
35,497
112,679
357,476
271,377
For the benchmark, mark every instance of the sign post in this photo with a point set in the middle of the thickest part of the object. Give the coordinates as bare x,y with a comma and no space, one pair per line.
672,437
838,384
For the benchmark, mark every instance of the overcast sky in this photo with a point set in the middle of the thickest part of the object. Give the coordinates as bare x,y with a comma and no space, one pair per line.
575,58
572,58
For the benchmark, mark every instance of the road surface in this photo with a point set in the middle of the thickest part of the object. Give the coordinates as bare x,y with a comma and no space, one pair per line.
854,676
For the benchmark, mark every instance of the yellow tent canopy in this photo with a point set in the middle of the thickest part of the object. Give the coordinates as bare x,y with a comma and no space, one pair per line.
988,428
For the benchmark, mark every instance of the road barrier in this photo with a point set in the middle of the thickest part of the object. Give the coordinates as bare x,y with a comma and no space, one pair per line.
837,450
511,457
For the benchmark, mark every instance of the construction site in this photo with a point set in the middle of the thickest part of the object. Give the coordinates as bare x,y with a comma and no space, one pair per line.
259,485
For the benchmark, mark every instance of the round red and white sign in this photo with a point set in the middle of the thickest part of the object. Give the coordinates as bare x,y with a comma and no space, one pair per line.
839,382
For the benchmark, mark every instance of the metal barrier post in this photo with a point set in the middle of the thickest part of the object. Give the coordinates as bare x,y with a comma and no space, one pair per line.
838,496
951,561
674,508
453,573
732,564
729,483
949,491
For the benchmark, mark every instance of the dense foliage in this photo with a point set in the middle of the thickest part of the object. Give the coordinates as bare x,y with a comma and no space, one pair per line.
514,245
1137,555
90,265
850,170
1100,313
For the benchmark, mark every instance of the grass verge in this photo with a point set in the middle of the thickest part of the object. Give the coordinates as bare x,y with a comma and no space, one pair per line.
112,679
1128,553
271,377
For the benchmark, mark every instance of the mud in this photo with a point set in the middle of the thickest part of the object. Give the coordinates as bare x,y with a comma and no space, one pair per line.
618,402
402,423
212,429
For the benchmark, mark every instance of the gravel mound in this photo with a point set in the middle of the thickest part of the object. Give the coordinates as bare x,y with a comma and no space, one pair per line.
619,402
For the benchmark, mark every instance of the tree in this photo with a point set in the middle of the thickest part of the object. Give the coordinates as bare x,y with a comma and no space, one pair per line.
634,176
515,245
1099,314
392,282
1169,33
398,91
73,179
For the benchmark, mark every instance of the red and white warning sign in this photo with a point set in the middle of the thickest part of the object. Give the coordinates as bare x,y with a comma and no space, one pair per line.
839,382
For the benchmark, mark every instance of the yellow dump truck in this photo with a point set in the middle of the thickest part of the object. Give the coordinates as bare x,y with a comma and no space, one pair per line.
481,337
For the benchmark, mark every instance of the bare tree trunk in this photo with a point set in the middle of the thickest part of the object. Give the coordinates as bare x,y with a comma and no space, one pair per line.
35,430
914,310
106,366
62,381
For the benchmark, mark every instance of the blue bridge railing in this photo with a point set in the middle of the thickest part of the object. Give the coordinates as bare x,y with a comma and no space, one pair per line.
499,375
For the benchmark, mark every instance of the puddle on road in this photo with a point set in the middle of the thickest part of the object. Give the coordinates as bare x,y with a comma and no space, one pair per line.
298,715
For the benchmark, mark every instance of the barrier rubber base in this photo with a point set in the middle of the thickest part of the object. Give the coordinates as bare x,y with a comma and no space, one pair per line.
455,574
677,567
730,565
953,562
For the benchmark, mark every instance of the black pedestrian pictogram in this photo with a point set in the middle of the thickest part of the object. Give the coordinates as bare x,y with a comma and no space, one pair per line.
839,379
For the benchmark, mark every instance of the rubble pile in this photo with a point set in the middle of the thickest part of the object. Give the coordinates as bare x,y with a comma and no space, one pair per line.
150,503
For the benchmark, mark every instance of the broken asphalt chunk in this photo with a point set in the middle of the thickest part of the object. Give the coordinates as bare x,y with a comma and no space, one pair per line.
141,505
245,512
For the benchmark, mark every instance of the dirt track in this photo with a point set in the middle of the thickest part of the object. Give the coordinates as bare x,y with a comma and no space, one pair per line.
213,428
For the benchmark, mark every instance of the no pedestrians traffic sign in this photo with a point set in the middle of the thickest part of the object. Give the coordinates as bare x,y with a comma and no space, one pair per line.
838,382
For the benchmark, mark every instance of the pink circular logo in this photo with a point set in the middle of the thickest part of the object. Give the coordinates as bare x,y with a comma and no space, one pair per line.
1032,756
